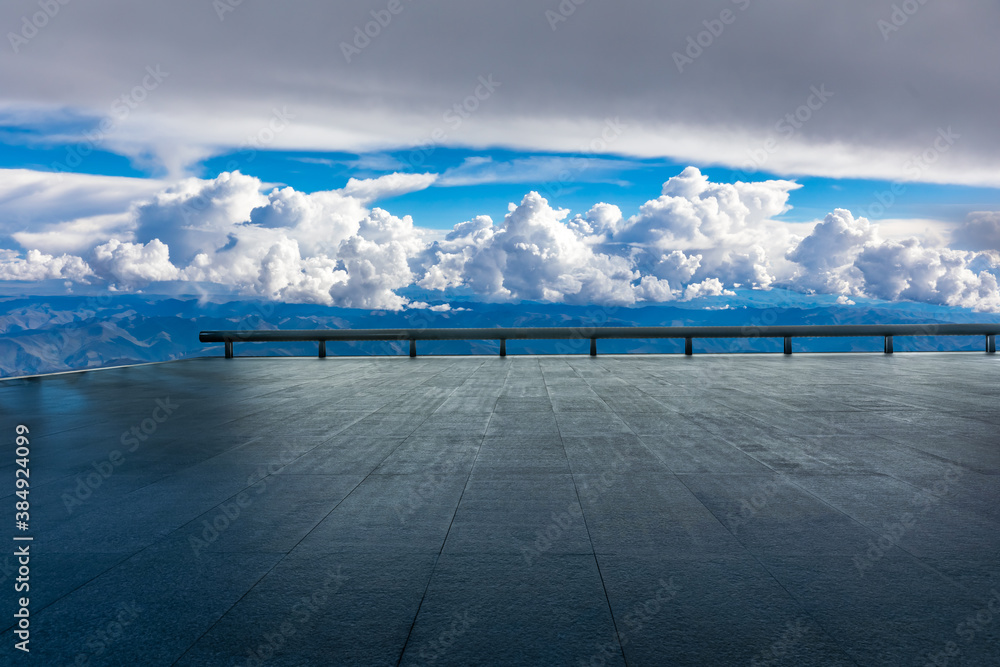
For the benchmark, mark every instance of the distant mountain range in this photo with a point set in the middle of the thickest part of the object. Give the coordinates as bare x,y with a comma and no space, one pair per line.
59,333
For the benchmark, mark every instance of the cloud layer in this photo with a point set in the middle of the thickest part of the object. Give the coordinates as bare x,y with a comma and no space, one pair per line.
696,239
706,83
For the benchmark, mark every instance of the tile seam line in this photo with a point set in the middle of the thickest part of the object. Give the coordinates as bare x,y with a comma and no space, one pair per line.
781,475
209,459
282,558
586,525
685,418
38,376
125,557
129,556
918,560
788,479
794,598
750,553
437,558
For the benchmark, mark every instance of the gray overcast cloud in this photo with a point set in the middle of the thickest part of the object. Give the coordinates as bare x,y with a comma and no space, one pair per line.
707,82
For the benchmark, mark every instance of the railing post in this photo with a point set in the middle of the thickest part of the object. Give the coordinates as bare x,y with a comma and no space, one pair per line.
503,347
593,347
229,349
888,344
688,346
322,349
788,344
991,344
413,347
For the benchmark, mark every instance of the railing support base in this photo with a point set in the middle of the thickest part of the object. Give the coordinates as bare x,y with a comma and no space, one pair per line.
991,344
593,347
788,344
229,349
413,347
688,347
503,347
322,349
888,344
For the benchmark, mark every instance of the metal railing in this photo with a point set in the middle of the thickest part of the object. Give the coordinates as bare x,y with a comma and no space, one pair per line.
886,331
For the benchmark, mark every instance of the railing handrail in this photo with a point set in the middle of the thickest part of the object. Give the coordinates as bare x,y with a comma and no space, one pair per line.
582,332
503,334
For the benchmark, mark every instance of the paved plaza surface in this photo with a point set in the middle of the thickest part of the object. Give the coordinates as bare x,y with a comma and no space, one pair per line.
822,509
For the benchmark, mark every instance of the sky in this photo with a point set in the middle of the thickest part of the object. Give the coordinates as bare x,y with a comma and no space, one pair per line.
356,154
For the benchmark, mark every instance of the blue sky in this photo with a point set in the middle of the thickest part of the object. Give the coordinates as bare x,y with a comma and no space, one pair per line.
626,181
174,149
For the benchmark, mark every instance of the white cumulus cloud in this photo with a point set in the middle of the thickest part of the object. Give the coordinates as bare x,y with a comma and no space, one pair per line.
39,266
532,255
132,265
845,255
696,239
981,231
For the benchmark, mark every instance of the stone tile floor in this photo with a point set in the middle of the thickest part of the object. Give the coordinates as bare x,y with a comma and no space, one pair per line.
827,509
